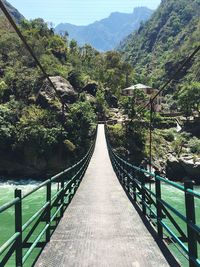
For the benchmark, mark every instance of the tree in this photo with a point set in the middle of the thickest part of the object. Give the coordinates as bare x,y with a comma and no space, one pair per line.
79,123
73,46
101,104
189,98
132,103
3,87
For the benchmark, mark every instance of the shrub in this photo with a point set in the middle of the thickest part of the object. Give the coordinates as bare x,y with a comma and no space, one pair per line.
178,144
69,145
194,145
169,135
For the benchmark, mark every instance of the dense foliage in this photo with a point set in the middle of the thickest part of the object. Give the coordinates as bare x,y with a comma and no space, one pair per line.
37,136
34,132
162,43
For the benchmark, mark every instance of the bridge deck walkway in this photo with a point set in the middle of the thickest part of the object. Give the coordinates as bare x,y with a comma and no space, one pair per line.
101,226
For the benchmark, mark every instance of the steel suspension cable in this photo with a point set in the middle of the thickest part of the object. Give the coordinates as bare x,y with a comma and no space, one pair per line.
150,102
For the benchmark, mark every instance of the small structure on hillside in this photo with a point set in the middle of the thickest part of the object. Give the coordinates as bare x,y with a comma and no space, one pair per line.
149,91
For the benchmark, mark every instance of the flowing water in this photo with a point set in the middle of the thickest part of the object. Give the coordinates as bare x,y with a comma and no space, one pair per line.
37,199
30,205
176,198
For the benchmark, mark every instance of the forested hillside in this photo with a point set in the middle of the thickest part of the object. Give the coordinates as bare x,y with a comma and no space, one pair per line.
36,139
161,44
156,51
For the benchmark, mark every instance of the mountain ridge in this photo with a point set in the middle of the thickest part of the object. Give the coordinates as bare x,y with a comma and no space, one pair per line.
106,34
13,11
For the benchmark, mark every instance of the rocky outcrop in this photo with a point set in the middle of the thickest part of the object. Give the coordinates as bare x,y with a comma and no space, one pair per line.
91,88
183,167
192,168
47,94
111,99
30,164
193,127
174,170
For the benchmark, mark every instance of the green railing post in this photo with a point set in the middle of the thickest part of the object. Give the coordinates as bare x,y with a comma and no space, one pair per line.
18,228
191,218
143,191
134,190
48,212
132,173
158,205
62,197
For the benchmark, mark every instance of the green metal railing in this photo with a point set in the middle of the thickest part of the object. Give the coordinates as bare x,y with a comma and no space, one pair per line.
44,219
157,209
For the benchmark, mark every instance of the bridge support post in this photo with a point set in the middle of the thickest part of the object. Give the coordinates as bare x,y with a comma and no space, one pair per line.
158,205
48,213
62,197
18,228
133,184
134,190
191,218
143,191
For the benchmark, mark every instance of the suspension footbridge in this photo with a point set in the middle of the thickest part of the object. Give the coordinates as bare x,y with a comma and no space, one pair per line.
101,227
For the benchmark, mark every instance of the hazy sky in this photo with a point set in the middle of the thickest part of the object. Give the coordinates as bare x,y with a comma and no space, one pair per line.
79,12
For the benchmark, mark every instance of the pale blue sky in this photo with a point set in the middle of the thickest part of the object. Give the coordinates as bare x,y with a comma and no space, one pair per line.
79,12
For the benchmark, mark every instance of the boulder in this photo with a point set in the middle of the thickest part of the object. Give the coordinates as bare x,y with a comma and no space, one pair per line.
193,127
184,167
174,170
90,99
65,90
111,99
91,88
191,168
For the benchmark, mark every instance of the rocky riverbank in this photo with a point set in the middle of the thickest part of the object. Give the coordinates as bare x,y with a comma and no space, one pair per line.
183,167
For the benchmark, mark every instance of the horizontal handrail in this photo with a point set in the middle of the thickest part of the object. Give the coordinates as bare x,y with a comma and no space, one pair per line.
163,179
9,205
34,244
26,225
36,188
9,242
132,179
67,181
57,176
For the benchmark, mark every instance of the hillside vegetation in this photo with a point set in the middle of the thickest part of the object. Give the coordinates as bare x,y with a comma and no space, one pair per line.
38,139
35,138
161,44
156,50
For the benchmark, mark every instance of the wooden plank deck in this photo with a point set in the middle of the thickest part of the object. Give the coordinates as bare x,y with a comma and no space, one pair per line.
101,226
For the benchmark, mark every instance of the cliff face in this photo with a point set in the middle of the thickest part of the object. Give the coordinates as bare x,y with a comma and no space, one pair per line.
29,164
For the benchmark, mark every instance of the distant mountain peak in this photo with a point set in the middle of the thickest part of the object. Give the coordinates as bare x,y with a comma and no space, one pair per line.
107,33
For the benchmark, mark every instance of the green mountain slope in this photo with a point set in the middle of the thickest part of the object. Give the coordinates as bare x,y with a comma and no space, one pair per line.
161,44
13,11
107,33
